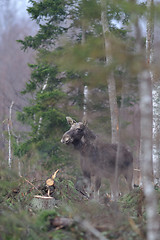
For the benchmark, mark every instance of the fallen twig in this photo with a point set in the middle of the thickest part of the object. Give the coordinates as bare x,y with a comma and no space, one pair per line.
32,185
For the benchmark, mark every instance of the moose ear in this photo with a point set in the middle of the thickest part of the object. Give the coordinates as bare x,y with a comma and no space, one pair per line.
85,122
70,121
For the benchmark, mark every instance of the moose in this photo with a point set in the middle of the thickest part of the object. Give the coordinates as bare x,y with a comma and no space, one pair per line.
98,159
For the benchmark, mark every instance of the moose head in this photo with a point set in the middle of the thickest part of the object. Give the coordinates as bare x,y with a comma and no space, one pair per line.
77,133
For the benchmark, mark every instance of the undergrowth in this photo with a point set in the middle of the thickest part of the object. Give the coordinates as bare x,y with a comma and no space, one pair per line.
19,220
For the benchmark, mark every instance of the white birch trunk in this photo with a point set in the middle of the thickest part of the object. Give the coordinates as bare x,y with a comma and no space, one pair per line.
145,87
110,78
40,119
9,146
9,136
146,106
150,34
155,91
146,156
85,90
85,93
11,133
156,132
83,34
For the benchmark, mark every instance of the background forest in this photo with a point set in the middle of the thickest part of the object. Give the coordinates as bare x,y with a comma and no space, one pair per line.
88,59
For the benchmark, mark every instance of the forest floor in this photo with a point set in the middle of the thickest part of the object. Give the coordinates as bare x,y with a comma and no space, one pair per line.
72,215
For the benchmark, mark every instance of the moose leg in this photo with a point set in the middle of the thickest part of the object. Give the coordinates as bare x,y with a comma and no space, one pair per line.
114,187
95,186
129,176
87,178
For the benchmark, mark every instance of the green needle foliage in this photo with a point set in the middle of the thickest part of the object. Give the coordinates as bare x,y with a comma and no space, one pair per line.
45,113
49,15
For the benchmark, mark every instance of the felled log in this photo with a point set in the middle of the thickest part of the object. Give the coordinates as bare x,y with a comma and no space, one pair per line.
84,225
61,222
50,182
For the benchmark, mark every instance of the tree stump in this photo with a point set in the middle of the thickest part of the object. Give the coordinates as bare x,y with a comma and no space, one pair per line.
43,202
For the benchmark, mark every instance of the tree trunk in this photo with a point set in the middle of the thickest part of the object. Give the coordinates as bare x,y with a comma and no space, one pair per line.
9,136
42,202
150,34
40,119
111,80
146,156
156,131
85,90
155,89
146,81
85,94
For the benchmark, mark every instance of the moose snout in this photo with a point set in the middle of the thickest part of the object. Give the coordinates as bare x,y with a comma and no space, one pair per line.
62,140
66,139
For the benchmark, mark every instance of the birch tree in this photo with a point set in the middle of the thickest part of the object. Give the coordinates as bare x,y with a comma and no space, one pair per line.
85,90
110,78
146,139
146,155
9,136
155,89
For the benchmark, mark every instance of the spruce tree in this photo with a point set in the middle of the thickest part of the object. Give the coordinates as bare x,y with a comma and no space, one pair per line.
45,113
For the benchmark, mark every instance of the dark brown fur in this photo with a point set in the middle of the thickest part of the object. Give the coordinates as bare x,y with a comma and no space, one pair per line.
99,159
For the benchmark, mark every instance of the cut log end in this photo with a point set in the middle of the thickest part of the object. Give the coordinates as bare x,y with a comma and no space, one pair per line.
49,182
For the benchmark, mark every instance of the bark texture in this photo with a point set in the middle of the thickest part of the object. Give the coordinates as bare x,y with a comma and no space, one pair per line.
146,156
110,78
